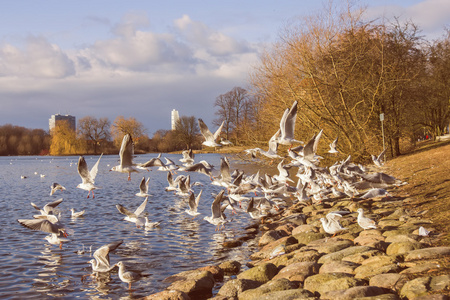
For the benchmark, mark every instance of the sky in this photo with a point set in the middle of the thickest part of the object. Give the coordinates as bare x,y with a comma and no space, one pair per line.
142,58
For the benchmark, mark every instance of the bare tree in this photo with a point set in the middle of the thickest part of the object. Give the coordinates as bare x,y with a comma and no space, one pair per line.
187,131
94,130
231,106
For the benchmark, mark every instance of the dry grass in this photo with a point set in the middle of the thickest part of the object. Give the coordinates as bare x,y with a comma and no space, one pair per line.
427,171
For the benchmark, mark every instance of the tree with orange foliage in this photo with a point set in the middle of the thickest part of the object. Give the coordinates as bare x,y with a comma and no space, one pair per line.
122,126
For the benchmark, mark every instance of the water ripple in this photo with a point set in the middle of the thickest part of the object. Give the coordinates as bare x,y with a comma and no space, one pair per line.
33,269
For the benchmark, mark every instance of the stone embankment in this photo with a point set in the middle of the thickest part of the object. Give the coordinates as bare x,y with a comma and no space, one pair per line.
298,260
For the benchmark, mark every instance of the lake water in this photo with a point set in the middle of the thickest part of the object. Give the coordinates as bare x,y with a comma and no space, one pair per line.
33,269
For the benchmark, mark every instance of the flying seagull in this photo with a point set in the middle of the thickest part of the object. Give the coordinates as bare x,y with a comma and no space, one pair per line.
87,177
210,139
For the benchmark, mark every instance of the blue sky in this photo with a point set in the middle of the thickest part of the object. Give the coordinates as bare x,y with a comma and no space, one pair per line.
144,58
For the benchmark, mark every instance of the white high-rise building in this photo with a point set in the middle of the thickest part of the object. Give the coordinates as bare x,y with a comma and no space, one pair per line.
53,121
174,118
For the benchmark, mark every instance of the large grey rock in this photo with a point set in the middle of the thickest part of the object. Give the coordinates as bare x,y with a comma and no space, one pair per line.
369,270
423,285
392,281
298,271
338,266
230,267
329,245
331,281
403,247
266,251
415,288
428,253
339,255
304,229
168,295
354,293
234,287
293,294
271,286
261,273
270,236
359,258
193,283
307,237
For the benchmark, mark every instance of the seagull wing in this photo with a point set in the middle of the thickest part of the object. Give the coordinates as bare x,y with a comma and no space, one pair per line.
141,207
215,206
126,151
143,186
289,122
94,170
83,170
273,144
125,211
205,130
40,224
102,253
316,140
218,131
50,206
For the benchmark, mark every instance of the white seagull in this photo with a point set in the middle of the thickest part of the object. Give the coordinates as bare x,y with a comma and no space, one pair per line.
126,157
48,209
77,214
47,223
365,222
87,177
143,188
193,204
101,262
210,139
333,146
130,216
378,160
331,223
55,187
128,276
287,126
217,217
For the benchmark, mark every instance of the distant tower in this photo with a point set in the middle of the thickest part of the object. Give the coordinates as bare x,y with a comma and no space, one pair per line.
54,119
175,118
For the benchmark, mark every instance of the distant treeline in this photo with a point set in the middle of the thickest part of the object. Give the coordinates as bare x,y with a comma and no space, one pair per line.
17,140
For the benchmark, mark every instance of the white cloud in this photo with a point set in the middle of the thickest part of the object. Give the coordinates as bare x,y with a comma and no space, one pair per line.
200,35
38,59
136,72
430,15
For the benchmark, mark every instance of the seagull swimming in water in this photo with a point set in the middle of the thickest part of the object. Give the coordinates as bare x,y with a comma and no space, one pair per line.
88,177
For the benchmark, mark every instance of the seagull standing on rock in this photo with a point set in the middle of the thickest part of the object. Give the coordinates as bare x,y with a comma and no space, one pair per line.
365,222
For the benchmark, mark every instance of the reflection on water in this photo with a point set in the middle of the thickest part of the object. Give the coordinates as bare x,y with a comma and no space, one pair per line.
34,269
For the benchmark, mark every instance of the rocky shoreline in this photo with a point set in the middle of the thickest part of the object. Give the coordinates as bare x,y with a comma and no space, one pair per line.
298,260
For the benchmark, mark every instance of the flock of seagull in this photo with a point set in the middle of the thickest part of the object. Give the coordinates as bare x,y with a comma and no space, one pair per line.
258,195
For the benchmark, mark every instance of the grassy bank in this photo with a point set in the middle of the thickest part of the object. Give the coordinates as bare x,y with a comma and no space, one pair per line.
427,171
